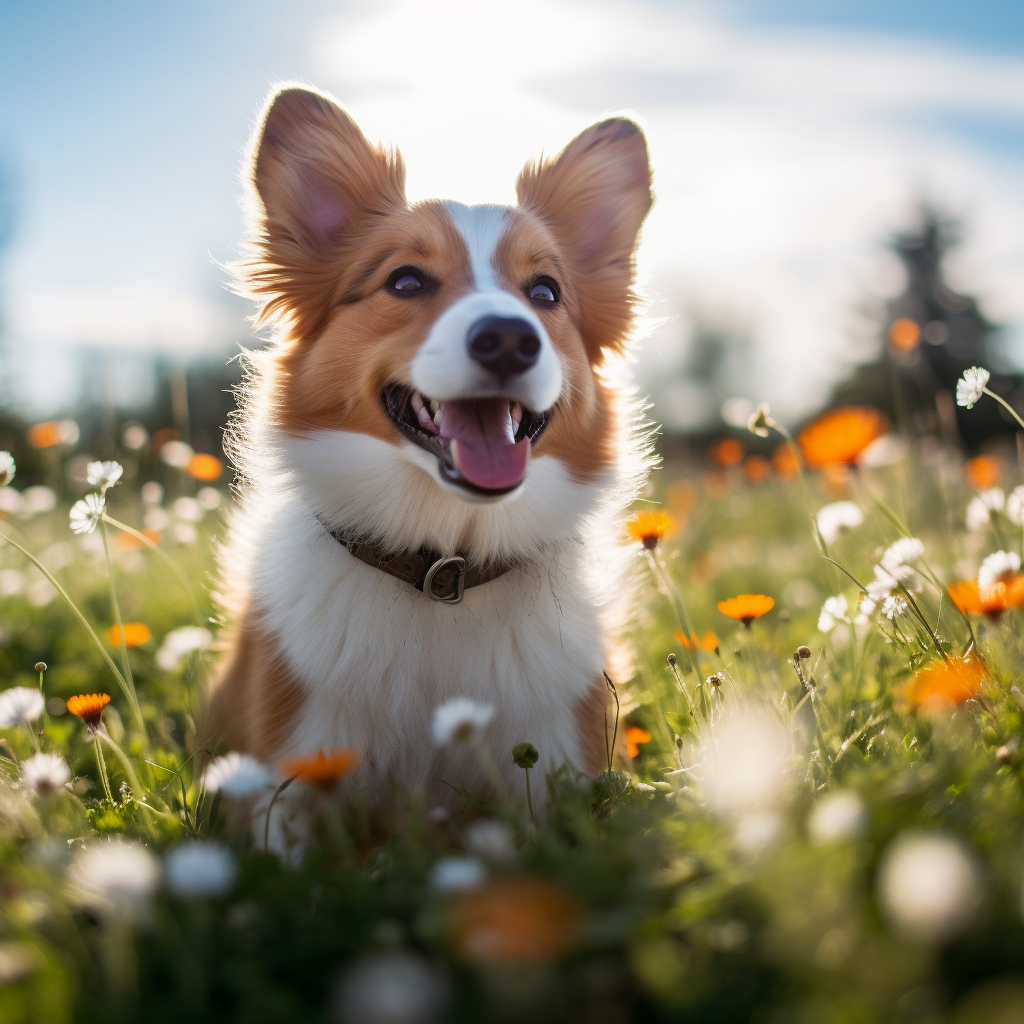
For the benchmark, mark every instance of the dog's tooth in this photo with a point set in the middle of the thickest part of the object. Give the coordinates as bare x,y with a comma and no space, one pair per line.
435,405
417,403
516,412
424,419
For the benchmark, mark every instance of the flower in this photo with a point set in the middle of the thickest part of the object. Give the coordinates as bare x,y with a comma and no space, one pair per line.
180,643
7,468
20,705
904,333
901,554
971,386
929,886
176,453
761,421
981,507
1015,506
52,433
321,769
515,919
836,516
967,597
196,869
833,611
840,815
744,768
391,988
44,773
635,736
746,607
727,452
236,775
650,527
89,707
945,683
204,467
999,567
491,840
460,720
838,437
115,876
457,874
893,606
104,474
86,513
134,634
983,471
707,642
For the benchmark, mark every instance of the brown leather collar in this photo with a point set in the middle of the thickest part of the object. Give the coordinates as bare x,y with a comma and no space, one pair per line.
441,577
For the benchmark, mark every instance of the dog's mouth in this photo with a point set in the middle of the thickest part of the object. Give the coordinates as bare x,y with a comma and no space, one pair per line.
481,444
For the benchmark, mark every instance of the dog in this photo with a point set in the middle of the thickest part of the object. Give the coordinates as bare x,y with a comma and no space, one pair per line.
435,454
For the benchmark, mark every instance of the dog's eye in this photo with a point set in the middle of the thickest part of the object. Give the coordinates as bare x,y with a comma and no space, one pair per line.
543,292
406,281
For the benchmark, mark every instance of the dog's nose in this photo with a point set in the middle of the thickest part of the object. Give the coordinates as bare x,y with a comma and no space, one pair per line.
504,345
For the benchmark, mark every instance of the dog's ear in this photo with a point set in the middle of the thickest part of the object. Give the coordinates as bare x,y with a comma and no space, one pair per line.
314,183
595,195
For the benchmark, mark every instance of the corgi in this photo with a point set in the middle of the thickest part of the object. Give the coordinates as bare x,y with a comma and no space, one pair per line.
435,454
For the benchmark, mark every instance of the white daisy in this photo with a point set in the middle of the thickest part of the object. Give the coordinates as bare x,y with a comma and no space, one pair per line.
981,507
1015,506
115,876
459,720
893,606
180,643
971,386
44,773
20,705
994,568
7,468
839,515
196,869
86,513
833,611
902,553
104,474
237,775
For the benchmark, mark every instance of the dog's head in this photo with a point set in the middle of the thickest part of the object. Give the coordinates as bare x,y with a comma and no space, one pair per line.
466,337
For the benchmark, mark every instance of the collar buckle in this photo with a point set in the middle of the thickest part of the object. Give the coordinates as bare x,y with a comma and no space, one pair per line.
457,588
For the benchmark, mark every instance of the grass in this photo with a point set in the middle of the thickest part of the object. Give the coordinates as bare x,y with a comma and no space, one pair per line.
807,836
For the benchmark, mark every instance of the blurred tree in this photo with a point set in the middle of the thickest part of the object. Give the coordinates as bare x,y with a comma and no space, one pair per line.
929,335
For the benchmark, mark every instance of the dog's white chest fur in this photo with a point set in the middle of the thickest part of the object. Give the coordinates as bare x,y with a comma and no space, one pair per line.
375,657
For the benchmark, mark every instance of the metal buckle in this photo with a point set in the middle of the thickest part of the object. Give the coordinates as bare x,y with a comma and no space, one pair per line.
460,579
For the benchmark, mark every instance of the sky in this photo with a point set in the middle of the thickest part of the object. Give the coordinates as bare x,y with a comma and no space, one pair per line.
789,139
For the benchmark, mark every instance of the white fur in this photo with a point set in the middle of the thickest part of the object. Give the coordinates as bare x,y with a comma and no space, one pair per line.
443,368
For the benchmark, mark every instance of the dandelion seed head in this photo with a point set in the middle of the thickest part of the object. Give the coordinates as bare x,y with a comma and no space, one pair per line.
460,720
833,611
837,817
20,705
236,775
901,554
179,643
45,773
86,513
837,516
115,876
199,869
971,386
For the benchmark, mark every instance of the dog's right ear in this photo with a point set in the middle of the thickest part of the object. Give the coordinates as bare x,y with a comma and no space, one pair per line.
313,183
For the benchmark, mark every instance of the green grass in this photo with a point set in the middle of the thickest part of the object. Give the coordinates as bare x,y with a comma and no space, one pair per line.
706,887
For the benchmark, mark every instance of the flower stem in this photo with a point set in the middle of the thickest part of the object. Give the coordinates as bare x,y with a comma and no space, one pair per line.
116,609
133,779
668,588
273,800
1006,405
102,765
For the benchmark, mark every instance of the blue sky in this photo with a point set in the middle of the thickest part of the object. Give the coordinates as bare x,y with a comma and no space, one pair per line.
788,136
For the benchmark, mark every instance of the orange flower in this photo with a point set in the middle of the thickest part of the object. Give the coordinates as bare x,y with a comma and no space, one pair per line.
785,462
44,435
841,435
205,467
1006,594
515,919
89,707
634,737
757,469
650,527
904,333
983,471
727,452
135,635
941,684
127,542
746,607
321,769
707,642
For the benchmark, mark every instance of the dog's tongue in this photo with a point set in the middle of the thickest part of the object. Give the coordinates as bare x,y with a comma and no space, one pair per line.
483,444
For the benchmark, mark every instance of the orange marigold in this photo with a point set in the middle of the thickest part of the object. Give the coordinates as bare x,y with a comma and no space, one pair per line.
650,527
205,467
941,684
746,607
969,599
905,333
515,919
89,707
135,635
44,435
635,736
321,769
840,436
727,452
983,471
693,642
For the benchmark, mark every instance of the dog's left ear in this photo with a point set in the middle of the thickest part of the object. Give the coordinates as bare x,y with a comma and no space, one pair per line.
595,195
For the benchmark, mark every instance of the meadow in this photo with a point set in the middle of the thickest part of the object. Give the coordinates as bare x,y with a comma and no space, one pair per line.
823,822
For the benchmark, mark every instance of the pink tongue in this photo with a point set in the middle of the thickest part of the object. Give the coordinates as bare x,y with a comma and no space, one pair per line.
483,444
